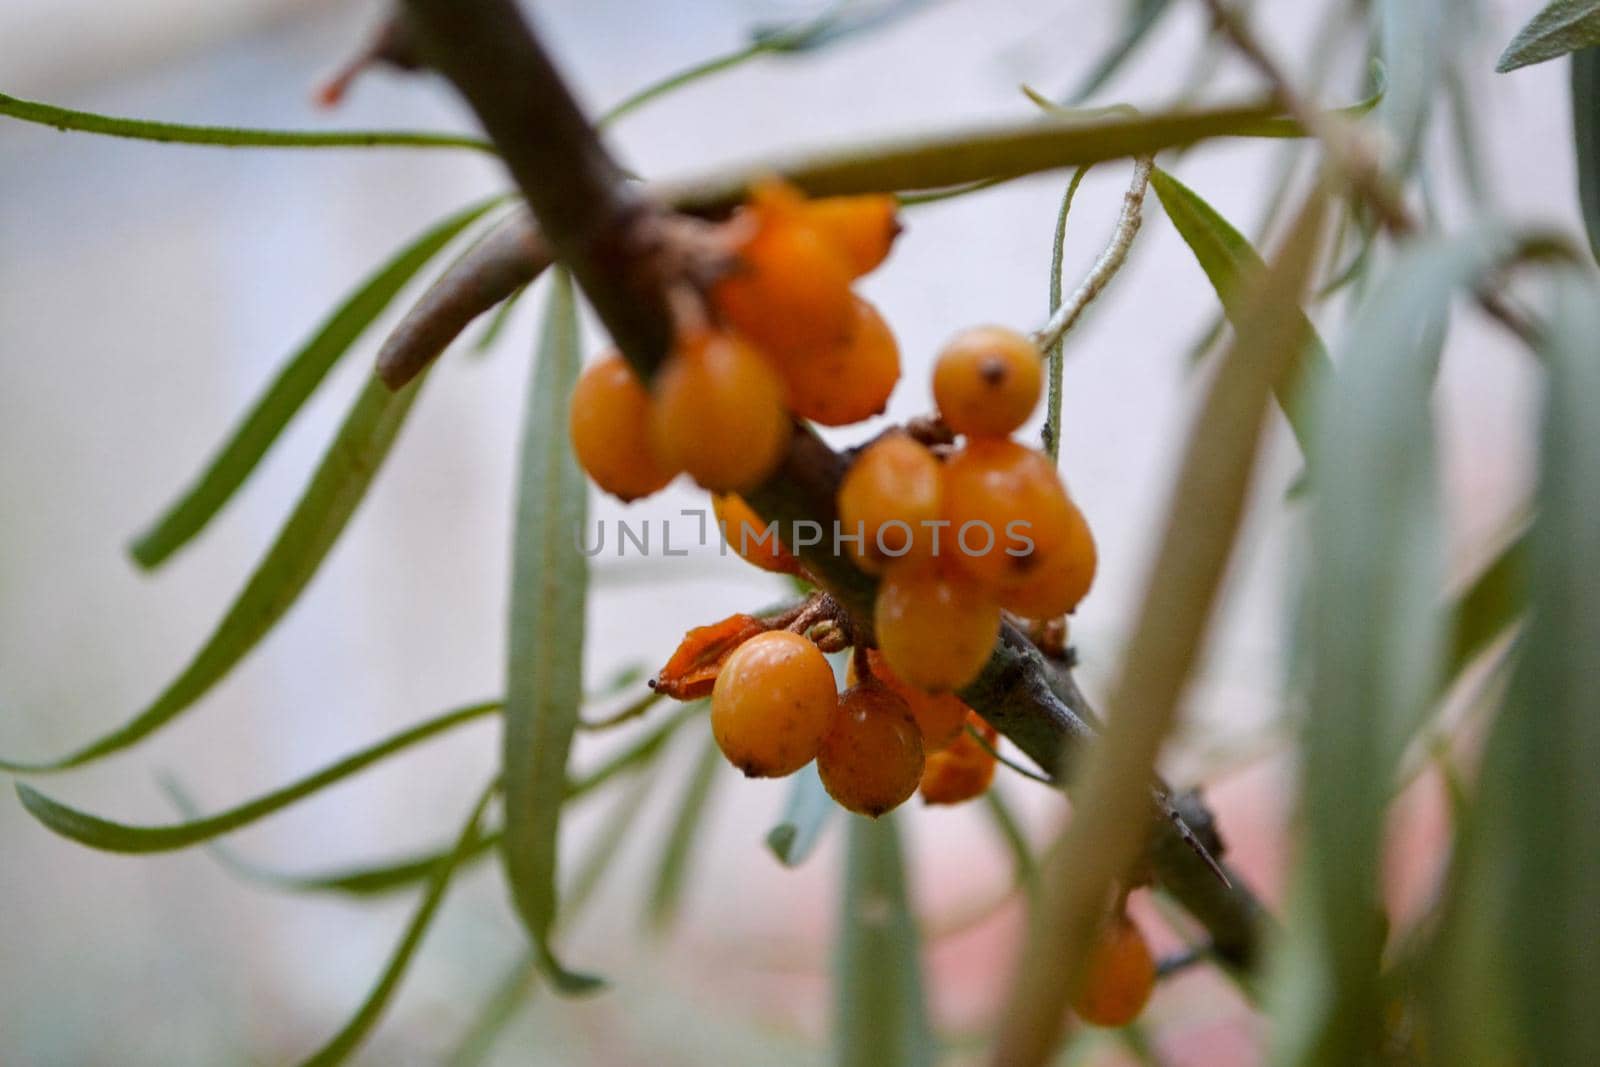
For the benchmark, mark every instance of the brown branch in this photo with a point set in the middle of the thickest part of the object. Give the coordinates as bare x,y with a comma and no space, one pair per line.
601,228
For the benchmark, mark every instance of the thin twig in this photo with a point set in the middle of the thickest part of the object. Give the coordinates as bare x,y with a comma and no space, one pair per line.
1049,336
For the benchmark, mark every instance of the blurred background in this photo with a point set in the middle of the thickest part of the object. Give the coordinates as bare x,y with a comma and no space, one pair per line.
146,294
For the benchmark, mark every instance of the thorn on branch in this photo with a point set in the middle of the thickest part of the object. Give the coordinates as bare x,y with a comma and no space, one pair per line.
393,45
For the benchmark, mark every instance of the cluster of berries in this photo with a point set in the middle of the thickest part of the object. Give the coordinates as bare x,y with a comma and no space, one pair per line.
790,338
775,708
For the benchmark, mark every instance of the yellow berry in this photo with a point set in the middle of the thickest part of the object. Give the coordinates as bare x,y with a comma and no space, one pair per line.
942,717
871,758
773,701
862,227
748,536
986,381
608,421
935,627
963,771
889,494
1062,578
1118,978
789,287
846,382
719,413
1007,509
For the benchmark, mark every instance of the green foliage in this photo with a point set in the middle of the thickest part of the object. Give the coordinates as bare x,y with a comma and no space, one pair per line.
806,814
336,489
544,672
1586,139
1563,26
677,850
880,1016
290,389
63,118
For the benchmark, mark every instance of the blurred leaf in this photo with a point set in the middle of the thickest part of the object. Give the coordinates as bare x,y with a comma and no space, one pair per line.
678,848
1540,765
227,136
1285,127
284,397
1233,267
880,1017
119,837
356,1030
1141,18
1488,604
845,19
544,672
336,489
1413,37
1005,822
1563,26
511,994
1376,630
1114,810
387,876
807,811
1586,139
498,321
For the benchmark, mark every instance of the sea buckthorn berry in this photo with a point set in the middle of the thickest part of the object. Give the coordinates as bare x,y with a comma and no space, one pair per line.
964,770
609,424
861,227
1007,509
843,383
755,541
1119,976
1061,580
871,758
986,381
942,717
773,702
719,413
892,489
935,626
789,289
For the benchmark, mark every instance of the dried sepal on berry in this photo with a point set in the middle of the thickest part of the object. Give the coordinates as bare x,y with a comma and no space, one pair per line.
692,671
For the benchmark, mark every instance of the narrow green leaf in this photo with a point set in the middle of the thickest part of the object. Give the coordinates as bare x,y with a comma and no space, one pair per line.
295,381
676,852
336,489
880,1016
388,876
1233,267
498,322
806,814
1586,139
1023,865
1540,764
120,837
1376,632
1563,26
1487,605
1413,36
544,672
228,136
355,1031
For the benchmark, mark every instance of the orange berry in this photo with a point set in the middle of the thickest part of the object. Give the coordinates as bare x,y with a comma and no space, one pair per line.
1119,977
871,758
773,702
999,496
862,228
942,717
987,380
963,771
755,541
936,627
719,413
844,382
889,492
1062,578
608,421
789,290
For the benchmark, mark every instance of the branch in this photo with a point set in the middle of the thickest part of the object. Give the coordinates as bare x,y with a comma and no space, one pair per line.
602,228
